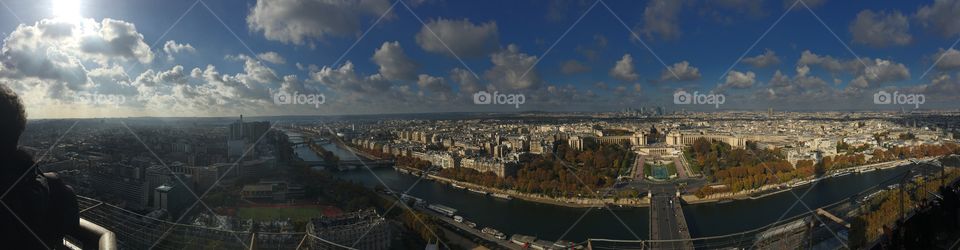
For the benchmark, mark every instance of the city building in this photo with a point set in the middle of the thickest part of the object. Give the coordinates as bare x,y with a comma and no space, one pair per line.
365,228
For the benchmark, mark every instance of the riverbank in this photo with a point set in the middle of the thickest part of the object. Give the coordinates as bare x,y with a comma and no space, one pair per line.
762,192
773,189
566,202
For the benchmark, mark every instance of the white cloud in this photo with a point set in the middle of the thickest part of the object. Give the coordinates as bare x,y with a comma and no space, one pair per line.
623,70
868,73
346,78
300,21
943,86
661,18
171,48
508,70
941,17
117,39
87,40
394,63
880,71
881,29
463,38
468,83
681,72
949,59
801,88
571,67
740,80
828,62
435,88
768,58
53,58
272,57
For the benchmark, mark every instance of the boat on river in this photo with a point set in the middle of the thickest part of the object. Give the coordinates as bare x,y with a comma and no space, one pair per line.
501,196
478,191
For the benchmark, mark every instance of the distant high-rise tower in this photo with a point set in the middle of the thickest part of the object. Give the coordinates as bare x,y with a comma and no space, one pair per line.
243,134
236,129
770,112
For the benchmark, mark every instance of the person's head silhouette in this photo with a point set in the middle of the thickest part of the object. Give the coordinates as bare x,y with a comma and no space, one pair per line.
13,120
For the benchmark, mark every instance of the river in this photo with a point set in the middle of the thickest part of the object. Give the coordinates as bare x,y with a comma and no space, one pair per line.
551,222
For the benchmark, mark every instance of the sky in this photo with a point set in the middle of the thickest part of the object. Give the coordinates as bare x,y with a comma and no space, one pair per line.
98,58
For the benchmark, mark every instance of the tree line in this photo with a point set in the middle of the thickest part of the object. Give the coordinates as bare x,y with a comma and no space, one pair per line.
566,173
751,168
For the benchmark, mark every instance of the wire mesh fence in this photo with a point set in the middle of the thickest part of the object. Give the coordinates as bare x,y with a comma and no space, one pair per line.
136,231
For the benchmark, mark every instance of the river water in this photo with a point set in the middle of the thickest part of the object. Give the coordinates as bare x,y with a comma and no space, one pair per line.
552,222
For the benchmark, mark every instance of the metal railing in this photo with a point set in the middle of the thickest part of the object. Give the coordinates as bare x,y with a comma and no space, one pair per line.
130,230
91,236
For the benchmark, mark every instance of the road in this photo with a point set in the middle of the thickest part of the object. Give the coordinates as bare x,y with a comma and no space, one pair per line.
682,171
638,168
475,232
666,219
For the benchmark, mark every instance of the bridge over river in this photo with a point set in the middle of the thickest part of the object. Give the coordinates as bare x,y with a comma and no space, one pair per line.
668,226
352,164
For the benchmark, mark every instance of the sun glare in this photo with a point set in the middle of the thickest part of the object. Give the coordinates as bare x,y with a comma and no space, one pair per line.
67,10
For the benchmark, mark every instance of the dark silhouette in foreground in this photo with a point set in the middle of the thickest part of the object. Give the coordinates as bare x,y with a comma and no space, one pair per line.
38,208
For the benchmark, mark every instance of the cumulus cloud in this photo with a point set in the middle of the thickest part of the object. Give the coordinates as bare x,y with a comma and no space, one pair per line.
948,59
394,63
468,83
880,29
111,80
828,62
508,70
740,80
301,21
880,71
345,78
943,86
767,59
272,57
117,39
462,37
624,70
661,18
171,48
868,73
50,64
681,72
571,67
53,58
437,86
800,88
941,17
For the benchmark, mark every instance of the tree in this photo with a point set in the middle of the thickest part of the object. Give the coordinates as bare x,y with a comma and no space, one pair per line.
857,237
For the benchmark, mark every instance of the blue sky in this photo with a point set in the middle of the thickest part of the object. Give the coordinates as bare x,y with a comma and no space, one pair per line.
879,46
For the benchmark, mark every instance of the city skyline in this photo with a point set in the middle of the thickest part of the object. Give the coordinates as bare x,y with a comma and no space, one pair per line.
85,58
